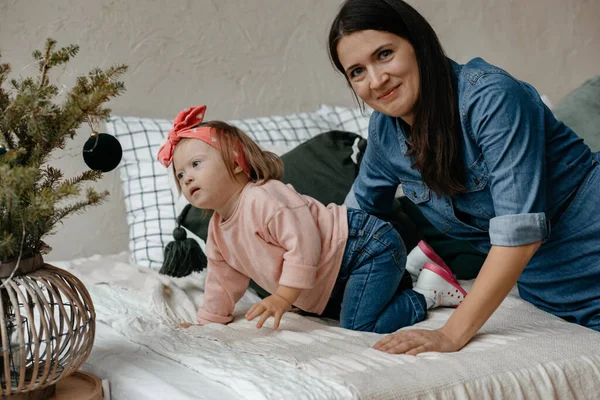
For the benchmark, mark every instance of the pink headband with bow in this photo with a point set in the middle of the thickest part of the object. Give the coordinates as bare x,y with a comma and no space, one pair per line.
186,126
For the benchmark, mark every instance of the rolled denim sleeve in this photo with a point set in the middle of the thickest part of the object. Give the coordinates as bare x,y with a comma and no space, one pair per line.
375,186
518,229
508,124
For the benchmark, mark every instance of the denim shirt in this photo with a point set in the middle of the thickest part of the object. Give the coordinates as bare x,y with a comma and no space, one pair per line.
521,164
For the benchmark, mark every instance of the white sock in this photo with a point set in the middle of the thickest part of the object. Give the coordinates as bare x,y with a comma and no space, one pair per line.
431,299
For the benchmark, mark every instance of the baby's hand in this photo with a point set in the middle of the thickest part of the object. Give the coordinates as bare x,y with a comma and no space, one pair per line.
273,305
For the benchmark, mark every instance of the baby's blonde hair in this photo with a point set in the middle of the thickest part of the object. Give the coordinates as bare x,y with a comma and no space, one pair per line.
264,165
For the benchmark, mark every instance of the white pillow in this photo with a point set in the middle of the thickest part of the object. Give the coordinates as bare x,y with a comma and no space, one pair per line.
150,201
354,120
347,119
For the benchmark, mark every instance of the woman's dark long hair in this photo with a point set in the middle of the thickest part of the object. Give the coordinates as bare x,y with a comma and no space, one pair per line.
435,137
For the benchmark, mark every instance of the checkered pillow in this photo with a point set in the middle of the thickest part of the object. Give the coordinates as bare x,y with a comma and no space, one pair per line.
149,199
347,119
354,120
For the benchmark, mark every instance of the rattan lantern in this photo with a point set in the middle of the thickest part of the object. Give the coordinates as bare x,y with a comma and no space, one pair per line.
47,326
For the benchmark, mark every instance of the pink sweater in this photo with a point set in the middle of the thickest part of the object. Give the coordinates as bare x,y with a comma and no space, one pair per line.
275,236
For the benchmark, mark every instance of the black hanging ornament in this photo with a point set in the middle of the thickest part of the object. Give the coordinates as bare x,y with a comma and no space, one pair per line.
102,152
184,255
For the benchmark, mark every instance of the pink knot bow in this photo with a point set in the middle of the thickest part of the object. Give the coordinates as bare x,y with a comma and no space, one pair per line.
186,126
183,127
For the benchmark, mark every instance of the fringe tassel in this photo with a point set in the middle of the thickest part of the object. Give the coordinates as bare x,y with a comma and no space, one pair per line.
184,255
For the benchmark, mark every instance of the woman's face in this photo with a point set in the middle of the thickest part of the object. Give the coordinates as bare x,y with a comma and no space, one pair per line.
382,70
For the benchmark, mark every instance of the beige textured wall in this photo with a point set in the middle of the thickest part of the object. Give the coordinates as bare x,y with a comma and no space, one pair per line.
259,57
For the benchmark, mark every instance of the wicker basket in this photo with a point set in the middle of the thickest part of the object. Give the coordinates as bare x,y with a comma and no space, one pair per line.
47,326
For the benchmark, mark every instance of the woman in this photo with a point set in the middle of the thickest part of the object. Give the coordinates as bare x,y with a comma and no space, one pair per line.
483,158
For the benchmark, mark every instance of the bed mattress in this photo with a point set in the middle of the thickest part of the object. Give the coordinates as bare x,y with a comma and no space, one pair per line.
140,347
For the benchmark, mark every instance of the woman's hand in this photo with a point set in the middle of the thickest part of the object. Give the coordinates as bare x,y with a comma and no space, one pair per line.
415,341
273,305
498,275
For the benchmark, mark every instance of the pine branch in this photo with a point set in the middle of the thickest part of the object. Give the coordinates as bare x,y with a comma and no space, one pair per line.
7,244
16,180
53,58
4,71
5,137
93,198
30,117
71,187
51,176
32,125
85,99
89,175
45,61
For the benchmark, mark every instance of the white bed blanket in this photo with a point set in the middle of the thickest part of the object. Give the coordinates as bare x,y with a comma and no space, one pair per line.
521,352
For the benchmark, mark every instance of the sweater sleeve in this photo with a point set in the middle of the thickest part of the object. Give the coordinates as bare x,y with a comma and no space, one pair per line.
224,287
296,230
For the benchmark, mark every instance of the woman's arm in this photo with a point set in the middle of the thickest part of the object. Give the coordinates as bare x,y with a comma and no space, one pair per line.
499,273
375,186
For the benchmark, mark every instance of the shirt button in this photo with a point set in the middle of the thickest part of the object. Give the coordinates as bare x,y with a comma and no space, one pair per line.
476,181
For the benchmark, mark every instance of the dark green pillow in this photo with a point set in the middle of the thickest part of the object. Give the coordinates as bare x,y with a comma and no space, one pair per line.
580,111
321,167
462,258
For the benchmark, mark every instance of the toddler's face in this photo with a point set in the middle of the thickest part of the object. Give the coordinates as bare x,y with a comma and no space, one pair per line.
202,175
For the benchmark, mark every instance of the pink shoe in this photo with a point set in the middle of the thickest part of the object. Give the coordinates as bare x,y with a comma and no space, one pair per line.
439,284
419,256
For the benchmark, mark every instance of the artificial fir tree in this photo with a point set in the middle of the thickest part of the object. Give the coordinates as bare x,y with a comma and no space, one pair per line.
35,120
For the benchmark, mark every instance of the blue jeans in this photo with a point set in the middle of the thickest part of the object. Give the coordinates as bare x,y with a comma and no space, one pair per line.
373,291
